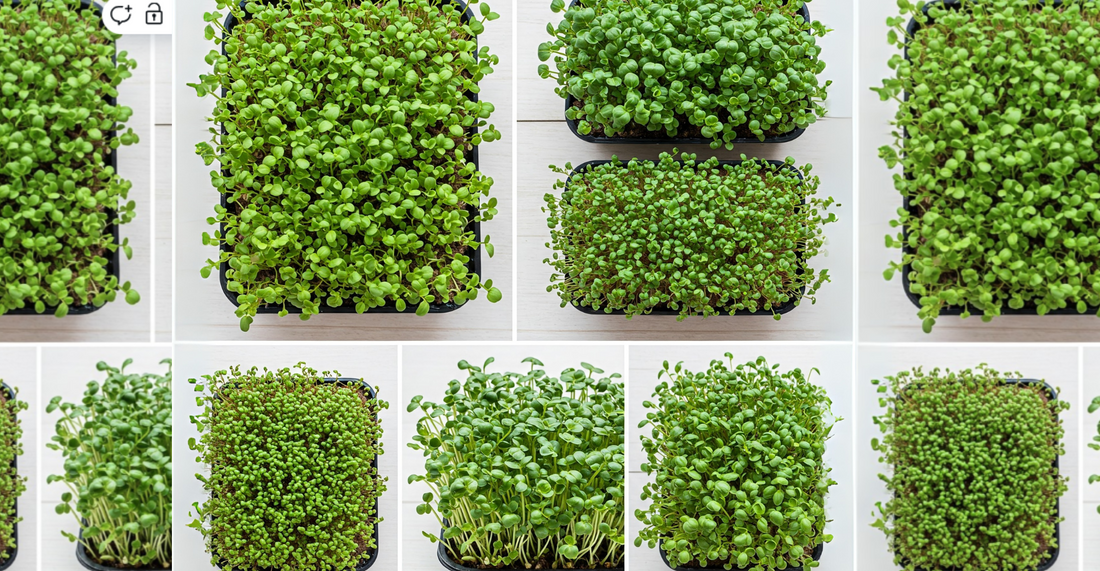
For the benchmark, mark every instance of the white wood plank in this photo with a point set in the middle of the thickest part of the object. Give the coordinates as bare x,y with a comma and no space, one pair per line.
1092,531
538,102
164,250
18,369
206,315
1090,457
116,321
827,145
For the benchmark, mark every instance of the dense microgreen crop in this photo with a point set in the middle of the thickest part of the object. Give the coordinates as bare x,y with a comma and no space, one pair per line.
995,135
697,237
117,444
715,69
12,485
526,469
973,482
737,460
59,197
347,154
291,482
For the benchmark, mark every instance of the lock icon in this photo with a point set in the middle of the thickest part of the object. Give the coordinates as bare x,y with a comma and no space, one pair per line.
153,14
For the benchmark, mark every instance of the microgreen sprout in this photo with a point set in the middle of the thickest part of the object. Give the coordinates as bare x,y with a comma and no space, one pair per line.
695,237
347,154
291,481
737,459
972,480
995,129
1095,444
117,445
713,69
60,197
525,469
12,485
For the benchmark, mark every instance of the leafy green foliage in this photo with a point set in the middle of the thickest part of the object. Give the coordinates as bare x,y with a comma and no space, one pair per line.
291,482
526,469
698,237
996,142
12,485
716,69
347,154
117,444
737,457
1095,444
59,196
973,481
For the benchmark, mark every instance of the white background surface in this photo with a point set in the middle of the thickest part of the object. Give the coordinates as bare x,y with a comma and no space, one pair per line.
426,370
205,313
546,140
835,363
19,370
1089,516
66,372
377,365
1058,366
118,320
886,314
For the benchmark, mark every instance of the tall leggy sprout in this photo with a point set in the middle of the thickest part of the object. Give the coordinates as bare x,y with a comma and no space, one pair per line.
526,469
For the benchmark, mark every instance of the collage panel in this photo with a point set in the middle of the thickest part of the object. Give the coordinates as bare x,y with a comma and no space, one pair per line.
283,456
1090,451
19,480
717,466
355,198
686,272
515,457
969,455
105,427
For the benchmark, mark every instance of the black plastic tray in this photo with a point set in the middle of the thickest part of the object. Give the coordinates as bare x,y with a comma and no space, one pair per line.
362,565
9,395
1044,566
113,261
87,562
1029,308
816,557
780,310
658,137
474,266
450,564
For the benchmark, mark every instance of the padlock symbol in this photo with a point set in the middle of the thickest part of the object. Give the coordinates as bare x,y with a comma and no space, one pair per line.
153,15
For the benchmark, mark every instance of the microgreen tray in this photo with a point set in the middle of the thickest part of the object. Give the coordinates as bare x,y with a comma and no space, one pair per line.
13,552
366,564
1029,308
113,261
87,562
1044,566
659,138
785,308
474,266
816,557
451,565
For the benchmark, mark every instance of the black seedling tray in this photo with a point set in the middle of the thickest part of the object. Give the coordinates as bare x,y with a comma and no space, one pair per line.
659,137
362,565
1029,308
1053,394
474,266
87,562
816,557
451,565
13,552
113,260
780,310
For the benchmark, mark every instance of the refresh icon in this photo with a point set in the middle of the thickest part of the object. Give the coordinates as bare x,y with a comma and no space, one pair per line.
121,14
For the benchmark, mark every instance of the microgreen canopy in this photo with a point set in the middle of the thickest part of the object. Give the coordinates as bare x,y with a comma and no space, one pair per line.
973,484
12,485
526,469
995,135
715,69
117,445
291,482
59,197
347,154
697,237
737,460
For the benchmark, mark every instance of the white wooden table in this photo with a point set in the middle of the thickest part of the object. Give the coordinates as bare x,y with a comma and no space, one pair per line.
19,370
1090,461
546,140
203,312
